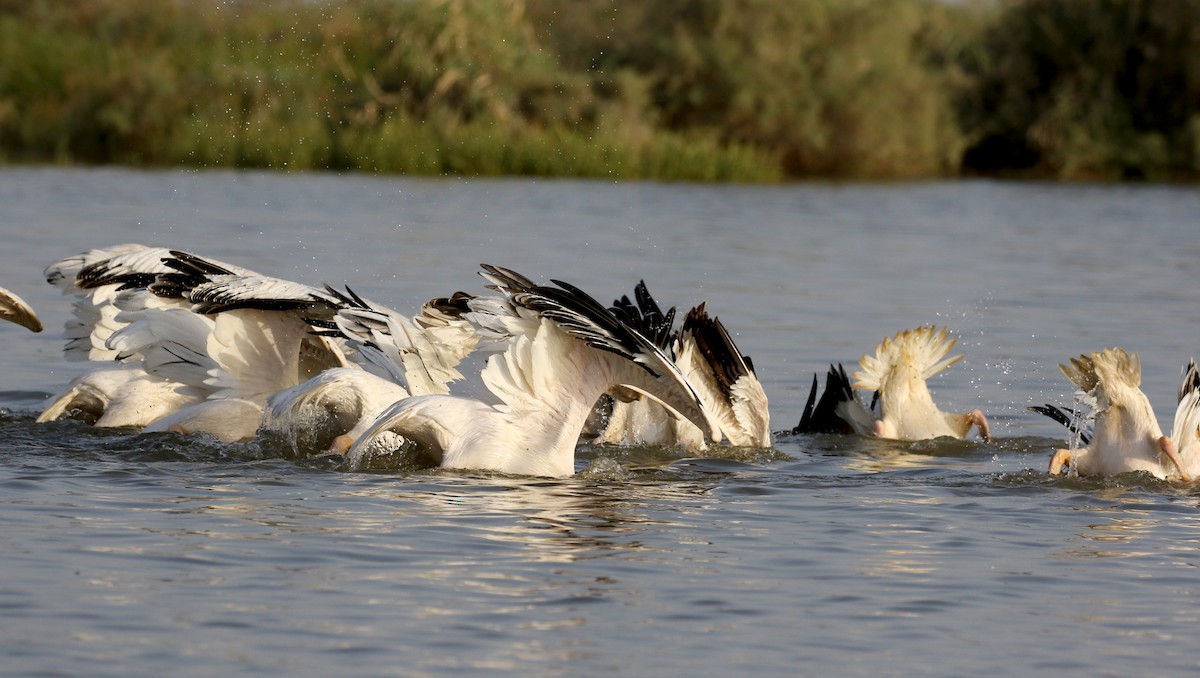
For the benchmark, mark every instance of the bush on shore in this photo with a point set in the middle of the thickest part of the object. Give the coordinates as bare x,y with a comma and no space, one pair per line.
710,90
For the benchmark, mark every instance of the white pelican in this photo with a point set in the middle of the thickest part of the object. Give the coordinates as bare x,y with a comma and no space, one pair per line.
724,379
1125,433
242,339
15,310
180,369
118,394
562,350
402,356
107,282
321,406
897,374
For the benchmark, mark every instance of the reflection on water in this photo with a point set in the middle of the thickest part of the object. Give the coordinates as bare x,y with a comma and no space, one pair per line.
560,521
1131,527
867,455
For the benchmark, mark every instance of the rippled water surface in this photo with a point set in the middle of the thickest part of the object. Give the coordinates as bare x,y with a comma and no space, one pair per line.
125,554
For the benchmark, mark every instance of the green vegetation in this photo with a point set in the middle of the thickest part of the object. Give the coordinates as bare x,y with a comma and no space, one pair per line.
1087,89
711,90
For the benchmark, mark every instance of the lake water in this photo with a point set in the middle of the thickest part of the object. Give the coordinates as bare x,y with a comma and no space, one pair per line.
143,555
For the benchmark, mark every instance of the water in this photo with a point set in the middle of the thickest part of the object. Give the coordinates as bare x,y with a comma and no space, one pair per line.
138,555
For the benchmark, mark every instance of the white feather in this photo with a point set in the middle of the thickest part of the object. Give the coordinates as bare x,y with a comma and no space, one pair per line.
326,412
62,273
546,381
1125,433
898,371
114,394
230,420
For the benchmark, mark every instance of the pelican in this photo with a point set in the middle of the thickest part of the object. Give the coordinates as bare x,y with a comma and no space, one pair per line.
14,309
400,357
242,339
324,363
704,351
896,374
556,351
180,369
106,283
113,394
1125,433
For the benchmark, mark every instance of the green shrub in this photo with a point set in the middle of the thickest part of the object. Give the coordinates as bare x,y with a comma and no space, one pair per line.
1087,88
705,90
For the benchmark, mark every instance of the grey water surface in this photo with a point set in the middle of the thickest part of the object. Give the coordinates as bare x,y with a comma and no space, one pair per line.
124,554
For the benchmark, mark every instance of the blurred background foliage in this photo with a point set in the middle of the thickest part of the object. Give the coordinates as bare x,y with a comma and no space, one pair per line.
708,90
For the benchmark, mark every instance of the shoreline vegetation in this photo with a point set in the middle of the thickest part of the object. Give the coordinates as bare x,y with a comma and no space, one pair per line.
697,90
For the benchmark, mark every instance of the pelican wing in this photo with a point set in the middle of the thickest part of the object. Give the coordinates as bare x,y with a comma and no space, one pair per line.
421,353
222,293
107,281
1074,420
102,280
137,268
259,353
62,273
923,349
172,344
729,388
262,340
646,316
1186,429
838,410
581,316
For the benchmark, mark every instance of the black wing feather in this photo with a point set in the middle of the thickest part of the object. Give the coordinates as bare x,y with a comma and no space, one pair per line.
717,347
576,312
821,416
1191,381
1062,417
646,316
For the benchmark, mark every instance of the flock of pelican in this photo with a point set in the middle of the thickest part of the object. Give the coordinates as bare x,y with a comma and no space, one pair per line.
179,342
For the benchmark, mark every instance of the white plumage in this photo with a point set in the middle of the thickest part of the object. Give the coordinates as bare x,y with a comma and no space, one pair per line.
178,368
561,351
119,394
897,372
243,338
394,357
109,286
109,282
729,389
328,412
1126,435
723,379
